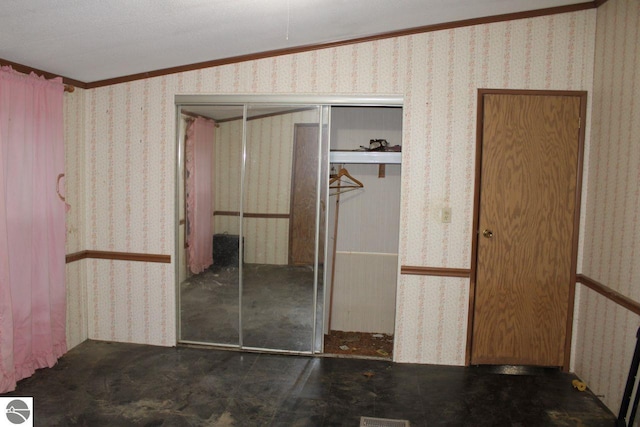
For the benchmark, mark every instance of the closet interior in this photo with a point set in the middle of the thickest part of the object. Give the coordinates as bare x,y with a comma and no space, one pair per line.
363,222
297,210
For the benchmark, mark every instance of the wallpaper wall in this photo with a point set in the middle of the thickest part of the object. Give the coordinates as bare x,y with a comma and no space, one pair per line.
605,337
226,176
130,150
73,191
130,154
442,75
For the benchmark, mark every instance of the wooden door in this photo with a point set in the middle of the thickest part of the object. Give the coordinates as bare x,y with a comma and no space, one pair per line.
526,223
304,187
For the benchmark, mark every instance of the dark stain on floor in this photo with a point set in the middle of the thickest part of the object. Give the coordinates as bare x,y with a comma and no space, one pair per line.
116,384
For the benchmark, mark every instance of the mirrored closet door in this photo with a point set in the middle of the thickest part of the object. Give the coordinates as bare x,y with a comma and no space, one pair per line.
211,143
259,286
280,209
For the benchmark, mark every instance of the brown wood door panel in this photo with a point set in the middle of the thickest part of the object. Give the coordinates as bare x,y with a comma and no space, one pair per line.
302,226
527,199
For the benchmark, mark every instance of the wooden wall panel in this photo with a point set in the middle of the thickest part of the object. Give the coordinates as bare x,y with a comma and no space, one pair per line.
364,292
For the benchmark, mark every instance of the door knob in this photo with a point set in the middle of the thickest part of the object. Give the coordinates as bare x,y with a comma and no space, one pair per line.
487,233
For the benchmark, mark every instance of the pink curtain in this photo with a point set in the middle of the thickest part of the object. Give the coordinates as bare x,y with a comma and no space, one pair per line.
199,167
32,226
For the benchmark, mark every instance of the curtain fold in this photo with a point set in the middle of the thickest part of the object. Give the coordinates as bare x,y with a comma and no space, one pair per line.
199,172
32,226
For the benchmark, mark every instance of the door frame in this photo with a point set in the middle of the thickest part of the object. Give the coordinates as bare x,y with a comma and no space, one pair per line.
582,95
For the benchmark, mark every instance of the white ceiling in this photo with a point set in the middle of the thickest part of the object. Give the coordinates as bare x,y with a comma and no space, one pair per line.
92,40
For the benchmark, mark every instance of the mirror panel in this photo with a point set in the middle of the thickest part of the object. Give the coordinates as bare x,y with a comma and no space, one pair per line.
209,310
279,226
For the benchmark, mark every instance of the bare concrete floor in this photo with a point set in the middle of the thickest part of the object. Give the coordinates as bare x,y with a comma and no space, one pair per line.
115,384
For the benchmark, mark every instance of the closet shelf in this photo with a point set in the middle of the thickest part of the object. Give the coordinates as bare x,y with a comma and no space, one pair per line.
377,157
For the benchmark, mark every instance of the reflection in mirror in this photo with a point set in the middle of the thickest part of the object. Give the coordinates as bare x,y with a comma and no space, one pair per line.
210,224
279,226
257,178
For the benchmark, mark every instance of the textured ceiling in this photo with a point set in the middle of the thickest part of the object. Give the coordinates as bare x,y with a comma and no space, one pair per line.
92,40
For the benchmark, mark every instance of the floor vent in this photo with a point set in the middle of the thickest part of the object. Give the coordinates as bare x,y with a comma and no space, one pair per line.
382,422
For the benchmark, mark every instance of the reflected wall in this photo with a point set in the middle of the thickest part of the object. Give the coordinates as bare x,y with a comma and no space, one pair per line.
266,188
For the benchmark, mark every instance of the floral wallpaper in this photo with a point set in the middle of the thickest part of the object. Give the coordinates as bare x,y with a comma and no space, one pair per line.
606,333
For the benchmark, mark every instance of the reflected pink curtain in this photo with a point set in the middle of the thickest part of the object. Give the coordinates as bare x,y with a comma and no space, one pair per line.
199,167
32,226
